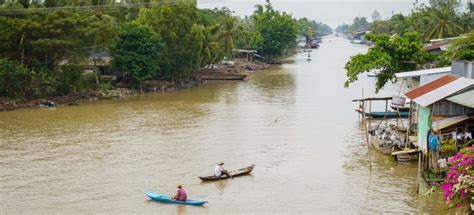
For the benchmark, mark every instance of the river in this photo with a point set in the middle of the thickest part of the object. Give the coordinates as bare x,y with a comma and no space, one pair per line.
295,122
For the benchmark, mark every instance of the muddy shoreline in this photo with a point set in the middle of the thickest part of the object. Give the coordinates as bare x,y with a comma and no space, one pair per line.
152,86
8,104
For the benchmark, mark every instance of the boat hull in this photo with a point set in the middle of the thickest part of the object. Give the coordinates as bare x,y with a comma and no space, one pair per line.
380,115
224,77
234,173
376,144
167,199
400,108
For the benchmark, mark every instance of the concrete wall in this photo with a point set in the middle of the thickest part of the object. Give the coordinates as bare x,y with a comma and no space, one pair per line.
463,68
425,79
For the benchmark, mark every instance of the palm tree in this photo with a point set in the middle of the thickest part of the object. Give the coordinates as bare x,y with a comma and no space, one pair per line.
443,20
229,30
210,45
103,34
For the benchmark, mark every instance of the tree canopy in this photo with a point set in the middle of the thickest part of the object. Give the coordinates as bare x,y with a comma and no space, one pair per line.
138,52
387,57
435,20
54,44
275,31
463,48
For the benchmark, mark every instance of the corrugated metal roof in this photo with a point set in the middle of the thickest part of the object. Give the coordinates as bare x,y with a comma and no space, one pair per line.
430,86
417,73
438,125
465,99
444,91
435,45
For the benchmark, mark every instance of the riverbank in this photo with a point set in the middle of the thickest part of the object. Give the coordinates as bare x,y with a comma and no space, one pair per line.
151,86
8,104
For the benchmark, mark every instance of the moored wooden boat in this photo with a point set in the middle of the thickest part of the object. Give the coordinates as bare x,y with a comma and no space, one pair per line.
400,108
228,77
382,148
233,173
406,155
379,115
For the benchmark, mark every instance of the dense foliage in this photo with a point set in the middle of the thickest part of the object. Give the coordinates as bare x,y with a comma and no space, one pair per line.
167,40
137,52
463,48
343,29
275,31
178,27
438,19
388,56
311,28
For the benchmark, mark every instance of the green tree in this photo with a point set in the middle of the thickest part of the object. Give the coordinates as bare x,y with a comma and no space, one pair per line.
388,56
342,29
359,24
46,40
137,52
443,20
177,26
376,16
210,45
305,28
463,48
15,79
275,32
228,30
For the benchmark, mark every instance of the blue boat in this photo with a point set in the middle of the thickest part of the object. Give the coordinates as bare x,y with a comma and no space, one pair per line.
167,199
387,114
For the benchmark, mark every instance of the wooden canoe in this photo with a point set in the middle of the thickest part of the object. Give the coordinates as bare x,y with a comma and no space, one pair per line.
376,144
233,173
228,77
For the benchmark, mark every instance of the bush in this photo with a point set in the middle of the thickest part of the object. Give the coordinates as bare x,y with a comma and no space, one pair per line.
69,79
16,81
448,146
105,86
137,52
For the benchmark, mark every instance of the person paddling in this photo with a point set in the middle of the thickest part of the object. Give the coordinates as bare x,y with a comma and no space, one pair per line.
180,194
219,171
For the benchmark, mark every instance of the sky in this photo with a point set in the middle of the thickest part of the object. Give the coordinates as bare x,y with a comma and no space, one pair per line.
331,12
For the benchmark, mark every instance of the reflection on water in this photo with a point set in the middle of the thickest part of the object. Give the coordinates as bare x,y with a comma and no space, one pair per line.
295,122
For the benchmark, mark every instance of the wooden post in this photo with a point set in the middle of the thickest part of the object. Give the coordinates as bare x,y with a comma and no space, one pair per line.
410,112
365,121
420,154
386,105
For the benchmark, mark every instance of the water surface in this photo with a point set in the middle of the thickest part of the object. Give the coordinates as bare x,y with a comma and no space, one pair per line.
295,122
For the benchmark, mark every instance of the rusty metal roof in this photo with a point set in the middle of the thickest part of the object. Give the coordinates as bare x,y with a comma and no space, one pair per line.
444,91
430,86
435,45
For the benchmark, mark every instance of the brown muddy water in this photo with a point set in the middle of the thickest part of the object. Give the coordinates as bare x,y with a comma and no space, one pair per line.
295,122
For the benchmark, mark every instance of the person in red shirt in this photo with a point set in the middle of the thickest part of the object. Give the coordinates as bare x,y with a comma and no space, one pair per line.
180,194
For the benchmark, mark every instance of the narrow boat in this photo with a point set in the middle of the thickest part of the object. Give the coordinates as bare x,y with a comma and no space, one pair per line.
387,114
233,173
382,147
167,199
386,140
227,77
406,155
400,108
